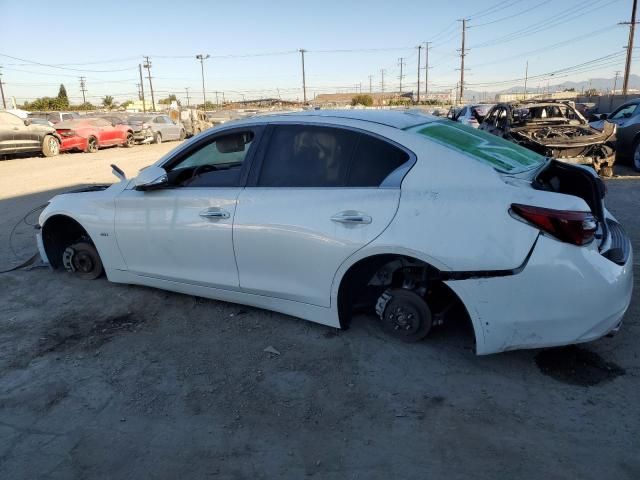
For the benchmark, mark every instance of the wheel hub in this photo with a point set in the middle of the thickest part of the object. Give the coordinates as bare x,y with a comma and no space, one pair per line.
82,262
402,318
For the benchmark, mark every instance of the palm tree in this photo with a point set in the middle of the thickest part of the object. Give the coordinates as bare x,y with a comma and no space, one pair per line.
108,102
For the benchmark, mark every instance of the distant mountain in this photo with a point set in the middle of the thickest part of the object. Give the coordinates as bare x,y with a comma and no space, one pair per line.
602,84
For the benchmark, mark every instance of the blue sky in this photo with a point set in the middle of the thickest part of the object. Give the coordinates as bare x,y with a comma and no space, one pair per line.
502,36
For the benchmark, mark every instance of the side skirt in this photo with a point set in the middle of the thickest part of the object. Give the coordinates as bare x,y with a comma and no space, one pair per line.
313,313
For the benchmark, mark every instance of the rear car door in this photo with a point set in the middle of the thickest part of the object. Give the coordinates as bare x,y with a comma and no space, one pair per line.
7,130
319,194
183,233
23,138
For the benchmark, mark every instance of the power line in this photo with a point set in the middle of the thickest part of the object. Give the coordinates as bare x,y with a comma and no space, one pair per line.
509,17
33,62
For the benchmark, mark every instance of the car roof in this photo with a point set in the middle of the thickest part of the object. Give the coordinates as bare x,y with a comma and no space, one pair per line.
400,119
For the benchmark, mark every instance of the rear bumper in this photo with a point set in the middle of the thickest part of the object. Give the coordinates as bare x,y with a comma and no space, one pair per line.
564,295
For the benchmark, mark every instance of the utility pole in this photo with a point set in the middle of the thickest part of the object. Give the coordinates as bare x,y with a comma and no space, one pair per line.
147,65
202,58
4,102
186,89
526,76
462,55
304,79
426,72
615,84
370,84
632,29
382,80
401,62
144,107
419,51
83,89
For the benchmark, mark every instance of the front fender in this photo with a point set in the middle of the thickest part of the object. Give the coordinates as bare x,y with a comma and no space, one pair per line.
95,212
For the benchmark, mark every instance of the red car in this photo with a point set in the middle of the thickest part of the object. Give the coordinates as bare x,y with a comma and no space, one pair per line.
90,134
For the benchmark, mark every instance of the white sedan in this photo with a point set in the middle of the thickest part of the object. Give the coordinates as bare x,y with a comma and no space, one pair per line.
317,214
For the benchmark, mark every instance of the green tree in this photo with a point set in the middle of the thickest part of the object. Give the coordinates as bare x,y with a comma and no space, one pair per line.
108,102
592,92
62,97
366,100
46,104
169,99
86,106
126,103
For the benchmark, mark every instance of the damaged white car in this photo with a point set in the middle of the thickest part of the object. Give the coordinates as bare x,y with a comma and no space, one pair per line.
320,213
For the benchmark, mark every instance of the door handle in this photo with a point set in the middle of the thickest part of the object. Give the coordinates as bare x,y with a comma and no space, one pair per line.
217,213
352,217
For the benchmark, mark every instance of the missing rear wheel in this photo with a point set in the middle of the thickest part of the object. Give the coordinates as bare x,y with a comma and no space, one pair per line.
404,314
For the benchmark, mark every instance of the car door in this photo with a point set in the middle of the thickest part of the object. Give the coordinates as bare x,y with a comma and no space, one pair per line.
172,128
318,196
23,138
105,132
183,232
159,125
7,129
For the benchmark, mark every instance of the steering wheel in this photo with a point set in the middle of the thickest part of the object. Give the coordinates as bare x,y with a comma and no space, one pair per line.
200,169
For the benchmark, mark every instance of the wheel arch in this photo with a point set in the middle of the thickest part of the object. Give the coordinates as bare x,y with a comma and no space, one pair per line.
58,232
361,269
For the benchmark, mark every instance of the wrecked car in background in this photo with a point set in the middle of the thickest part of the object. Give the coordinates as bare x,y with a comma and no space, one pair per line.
472,115
157,128
194,121
325,213
22,136
554,129
91,134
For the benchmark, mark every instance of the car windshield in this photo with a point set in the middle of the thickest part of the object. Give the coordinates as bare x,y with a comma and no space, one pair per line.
502,155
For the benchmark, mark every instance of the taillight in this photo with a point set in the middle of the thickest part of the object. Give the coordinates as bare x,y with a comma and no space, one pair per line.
578,228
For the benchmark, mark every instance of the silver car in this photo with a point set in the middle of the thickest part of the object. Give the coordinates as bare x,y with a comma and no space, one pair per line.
162,127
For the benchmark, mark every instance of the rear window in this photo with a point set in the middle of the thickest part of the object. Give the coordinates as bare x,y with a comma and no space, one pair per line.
494,151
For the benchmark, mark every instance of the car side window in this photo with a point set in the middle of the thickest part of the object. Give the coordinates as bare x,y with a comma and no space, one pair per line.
307,156
53,117
216,164
10,119
373,161
67,116
158,120
624,112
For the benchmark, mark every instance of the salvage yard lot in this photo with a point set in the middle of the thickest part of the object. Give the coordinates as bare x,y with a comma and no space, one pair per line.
99,380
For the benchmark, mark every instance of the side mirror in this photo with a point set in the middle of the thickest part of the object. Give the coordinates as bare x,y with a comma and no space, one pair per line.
151,178
603,116
27,122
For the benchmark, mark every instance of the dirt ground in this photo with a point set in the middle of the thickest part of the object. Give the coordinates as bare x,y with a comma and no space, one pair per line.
99,380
